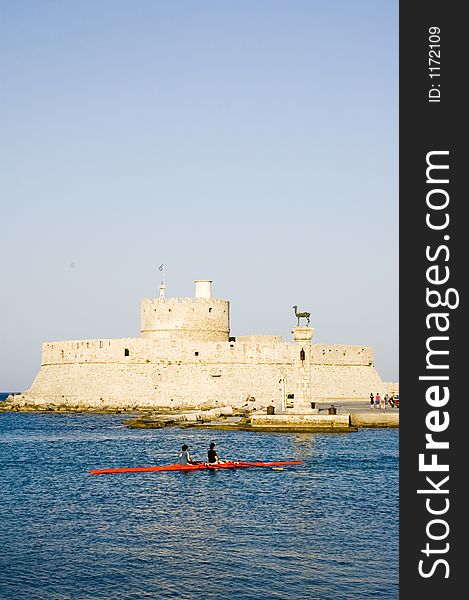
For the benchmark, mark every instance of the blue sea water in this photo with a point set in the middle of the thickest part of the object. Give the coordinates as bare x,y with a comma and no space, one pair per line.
4,395
327,529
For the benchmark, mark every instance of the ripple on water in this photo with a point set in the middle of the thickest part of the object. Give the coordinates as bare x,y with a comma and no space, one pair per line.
326,529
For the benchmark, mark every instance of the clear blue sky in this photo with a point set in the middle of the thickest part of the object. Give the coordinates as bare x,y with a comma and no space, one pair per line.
253,142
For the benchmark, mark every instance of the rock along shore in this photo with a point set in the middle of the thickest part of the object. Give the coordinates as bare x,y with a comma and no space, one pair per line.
345,418
261,421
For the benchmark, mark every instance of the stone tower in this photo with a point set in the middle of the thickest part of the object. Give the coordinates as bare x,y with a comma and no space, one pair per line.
202,319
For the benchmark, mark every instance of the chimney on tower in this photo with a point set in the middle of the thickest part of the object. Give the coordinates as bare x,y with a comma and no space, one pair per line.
203,288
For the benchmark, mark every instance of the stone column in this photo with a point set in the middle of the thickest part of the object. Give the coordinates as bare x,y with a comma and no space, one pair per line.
303,398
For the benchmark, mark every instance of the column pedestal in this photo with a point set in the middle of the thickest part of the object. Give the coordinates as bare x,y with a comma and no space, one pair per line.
303,337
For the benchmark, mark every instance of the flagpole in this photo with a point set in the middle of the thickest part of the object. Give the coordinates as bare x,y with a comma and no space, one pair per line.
162,285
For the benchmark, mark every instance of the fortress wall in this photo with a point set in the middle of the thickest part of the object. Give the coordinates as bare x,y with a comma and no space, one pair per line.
246,349
193,384
390,387
256,339
341,354
93,385
201,318
76,351
212,385
149,350
171,385
146,372
159,374
354,381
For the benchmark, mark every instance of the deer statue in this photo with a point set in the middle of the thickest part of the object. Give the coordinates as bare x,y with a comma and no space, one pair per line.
304,315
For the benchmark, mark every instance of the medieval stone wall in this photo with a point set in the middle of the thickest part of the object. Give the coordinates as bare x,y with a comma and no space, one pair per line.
183,373
185,357
251,349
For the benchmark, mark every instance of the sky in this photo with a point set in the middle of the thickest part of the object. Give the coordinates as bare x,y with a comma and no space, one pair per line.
254,143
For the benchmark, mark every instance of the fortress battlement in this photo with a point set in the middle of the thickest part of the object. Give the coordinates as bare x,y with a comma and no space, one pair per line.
166,301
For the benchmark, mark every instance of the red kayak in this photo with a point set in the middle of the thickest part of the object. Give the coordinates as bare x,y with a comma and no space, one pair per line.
224,465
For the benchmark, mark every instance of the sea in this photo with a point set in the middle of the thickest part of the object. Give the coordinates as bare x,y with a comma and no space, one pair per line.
326,529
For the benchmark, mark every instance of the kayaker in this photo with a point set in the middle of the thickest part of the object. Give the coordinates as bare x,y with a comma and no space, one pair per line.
185,458
212,454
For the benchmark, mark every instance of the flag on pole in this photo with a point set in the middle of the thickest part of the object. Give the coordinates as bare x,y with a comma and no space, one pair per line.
162,286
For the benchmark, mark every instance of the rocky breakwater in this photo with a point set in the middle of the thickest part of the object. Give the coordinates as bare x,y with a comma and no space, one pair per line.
348,419
229,418
224,417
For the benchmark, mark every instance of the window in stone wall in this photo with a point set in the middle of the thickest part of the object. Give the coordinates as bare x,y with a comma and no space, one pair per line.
126,352
196,354
210,309
101,344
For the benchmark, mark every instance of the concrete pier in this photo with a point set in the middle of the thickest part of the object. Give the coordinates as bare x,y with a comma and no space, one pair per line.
319,422
378,418
300,422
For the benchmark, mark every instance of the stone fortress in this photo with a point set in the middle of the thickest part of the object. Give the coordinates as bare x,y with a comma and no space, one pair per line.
185,358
